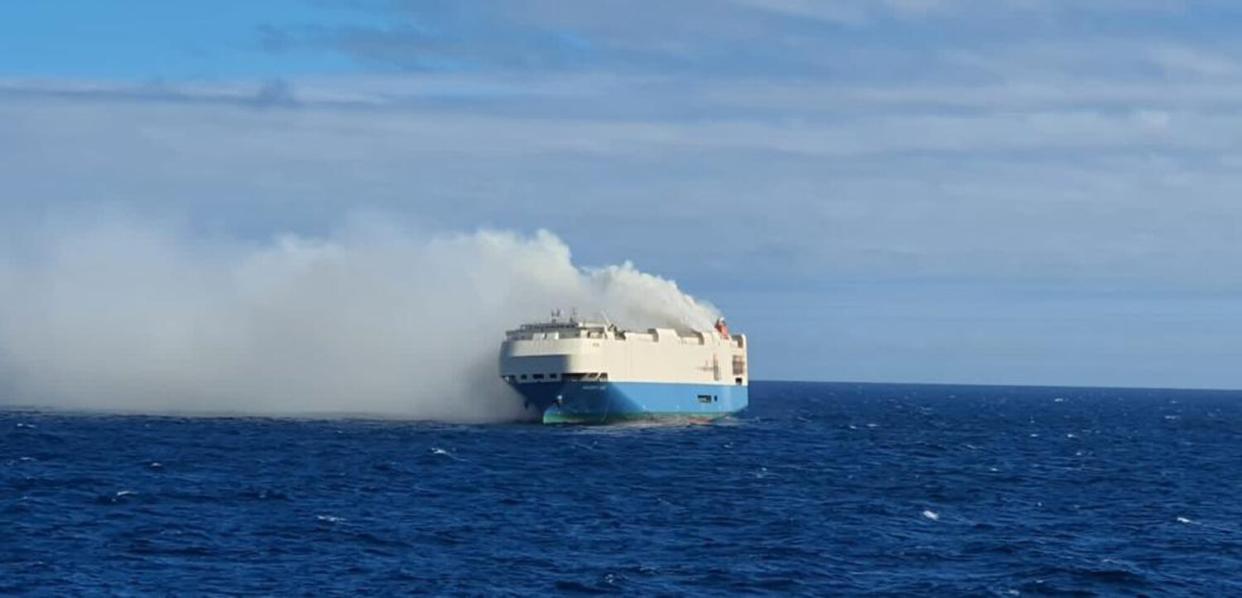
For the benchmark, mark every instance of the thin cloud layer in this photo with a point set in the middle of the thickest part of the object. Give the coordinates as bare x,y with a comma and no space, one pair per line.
1066,188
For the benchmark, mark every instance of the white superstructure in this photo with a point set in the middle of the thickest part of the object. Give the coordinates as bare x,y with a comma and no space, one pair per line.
561,350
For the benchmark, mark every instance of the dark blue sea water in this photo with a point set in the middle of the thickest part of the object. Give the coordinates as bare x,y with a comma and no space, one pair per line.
819,489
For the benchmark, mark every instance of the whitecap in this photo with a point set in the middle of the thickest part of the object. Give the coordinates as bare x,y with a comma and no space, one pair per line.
329,518
125,492
1059,400
435,450
930,514
1184,520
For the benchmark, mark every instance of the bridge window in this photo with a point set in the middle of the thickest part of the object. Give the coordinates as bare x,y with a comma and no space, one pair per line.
537,376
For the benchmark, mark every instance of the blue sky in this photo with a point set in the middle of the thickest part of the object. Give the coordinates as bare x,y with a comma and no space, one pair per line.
1017,191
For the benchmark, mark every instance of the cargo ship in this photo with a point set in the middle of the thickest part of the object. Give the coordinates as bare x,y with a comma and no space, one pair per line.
583,372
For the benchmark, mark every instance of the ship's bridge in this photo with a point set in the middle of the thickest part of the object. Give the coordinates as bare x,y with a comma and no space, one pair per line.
556,350
555,330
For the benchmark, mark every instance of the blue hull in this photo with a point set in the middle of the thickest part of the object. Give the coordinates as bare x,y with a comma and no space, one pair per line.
607,402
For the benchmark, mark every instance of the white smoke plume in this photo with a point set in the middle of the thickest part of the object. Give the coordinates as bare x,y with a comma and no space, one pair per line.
369,321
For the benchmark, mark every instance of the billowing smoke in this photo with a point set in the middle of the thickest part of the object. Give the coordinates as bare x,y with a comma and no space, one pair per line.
368,321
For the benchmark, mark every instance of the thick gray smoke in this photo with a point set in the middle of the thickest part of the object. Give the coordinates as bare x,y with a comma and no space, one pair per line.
370,321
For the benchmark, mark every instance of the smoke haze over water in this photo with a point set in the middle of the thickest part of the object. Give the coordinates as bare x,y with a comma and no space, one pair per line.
370,320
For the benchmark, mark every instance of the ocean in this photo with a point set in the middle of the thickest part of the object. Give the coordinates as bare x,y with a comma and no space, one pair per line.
819,488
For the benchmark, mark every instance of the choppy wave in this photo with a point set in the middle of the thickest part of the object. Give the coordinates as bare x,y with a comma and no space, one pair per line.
820,489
